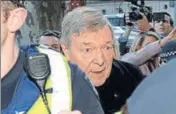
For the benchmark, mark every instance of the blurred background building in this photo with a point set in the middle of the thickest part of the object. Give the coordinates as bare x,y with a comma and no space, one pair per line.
49,14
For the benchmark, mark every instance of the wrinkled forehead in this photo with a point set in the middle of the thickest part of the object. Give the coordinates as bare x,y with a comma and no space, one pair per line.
97,38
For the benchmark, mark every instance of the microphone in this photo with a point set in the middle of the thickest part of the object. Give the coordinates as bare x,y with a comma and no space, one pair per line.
37,67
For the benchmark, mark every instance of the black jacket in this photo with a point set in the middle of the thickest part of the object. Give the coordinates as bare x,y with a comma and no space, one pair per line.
123,79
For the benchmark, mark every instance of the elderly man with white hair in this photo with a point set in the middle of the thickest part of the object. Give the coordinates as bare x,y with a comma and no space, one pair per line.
87,39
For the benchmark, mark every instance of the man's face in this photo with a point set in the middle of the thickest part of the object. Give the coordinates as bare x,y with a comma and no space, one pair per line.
94,53
51,41
163,26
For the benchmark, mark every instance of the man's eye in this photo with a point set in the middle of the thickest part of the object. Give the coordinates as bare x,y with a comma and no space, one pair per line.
165,21
158,21
108,47
87,50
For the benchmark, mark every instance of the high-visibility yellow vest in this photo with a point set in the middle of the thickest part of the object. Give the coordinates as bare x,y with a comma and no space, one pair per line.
60,81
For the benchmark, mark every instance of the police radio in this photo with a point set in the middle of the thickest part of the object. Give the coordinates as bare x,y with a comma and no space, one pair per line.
38,68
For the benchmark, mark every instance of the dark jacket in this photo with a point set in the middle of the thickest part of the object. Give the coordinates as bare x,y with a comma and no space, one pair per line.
156,94
122,81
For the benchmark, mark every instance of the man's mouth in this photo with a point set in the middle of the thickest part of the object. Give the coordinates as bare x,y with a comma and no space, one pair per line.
98,71
161,28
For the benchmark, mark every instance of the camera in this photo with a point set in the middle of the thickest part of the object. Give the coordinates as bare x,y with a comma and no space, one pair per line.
136,9
135,15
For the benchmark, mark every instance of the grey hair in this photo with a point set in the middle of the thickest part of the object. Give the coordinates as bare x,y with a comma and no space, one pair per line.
83,19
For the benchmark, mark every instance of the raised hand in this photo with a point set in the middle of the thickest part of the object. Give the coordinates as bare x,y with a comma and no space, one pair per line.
172,34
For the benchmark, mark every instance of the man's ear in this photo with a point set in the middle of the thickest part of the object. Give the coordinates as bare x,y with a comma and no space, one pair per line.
16,19
65,51
114,54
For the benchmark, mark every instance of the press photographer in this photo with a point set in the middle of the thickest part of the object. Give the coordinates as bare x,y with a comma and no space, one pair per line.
145,48
139,17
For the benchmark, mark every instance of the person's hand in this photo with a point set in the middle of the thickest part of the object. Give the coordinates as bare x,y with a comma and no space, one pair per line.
172,34
70,112
143,24
129,25
127,21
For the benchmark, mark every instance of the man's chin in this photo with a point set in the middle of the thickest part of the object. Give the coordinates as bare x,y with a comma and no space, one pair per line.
98,83
161,31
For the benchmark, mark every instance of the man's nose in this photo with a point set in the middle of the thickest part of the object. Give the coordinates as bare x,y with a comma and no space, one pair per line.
161,22
99,57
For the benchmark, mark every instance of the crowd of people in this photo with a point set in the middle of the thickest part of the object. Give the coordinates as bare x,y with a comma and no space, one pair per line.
83,70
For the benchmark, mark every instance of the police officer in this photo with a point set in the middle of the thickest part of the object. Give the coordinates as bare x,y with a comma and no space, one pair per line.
51,38
20,94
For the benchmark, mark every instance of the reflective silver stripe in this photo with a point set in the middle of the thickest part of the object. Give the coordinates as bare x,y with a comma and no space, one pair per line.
59,81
